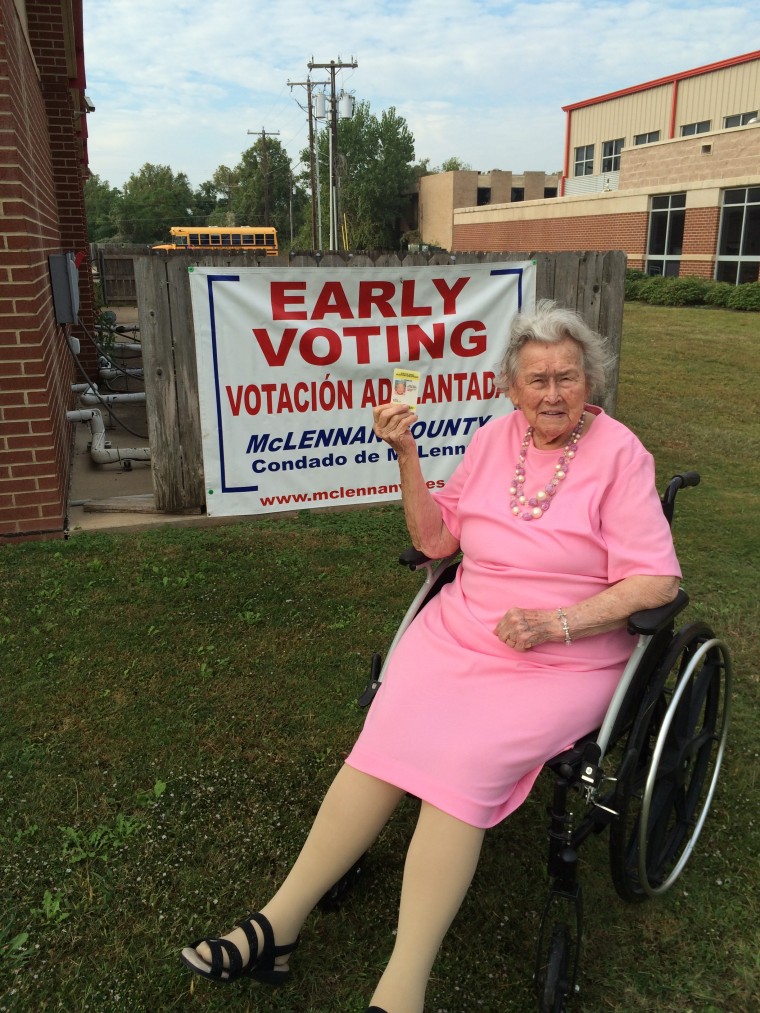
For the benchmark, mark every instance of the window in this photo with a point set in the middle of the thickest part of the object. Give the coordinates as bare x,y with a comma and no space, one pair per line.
550,191
518,194
584,160
648,138
667,215
484,196
611,155
739,242
740,119
695,128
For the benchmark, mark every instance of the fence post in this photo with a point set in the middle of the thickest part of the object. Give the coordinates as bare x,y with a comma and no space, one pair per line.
171,383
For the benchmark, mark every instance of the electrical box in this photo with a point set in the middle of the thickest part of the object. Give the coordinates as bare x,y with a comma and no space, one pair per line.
64,277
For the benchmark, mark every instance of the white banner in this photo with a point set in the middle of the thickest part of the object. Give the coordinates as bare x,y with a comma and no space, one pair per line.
291,362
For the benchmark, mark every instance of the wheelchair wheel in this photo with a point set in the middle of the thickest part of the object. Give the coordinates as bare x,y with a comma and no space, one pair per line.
335,896
670,765
553,982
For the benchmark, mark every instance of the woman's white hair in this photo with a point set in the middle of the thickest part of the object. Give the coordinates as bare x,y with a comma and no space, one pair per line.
551,323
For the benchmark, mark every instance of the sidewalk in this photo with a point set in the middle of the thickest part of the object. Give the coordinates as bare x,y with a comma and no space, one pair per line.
118,495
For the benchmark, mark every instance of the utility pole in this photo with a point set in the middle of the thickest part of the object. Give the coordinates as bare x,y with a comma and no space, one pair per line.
308,85
230,214
333,66
265,167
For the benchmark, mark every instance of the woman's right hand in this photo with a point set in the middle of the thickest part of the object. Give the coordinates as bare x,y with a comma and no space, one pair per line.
392,423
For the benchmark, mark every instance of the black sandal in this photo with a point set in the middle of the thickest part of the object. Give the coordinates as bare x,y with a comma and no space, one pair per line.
260,966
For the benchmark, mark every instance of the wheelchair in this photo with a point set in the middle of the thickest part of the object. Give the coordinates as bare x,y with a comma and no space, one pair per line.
648,773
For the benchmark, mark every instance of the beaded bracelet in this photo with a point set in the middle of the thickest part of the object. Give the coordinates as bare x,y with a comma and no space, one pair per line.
565,625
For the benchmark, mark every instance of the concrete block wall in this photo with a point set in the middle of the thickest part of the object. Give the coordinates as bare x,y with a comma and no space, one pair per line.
684,161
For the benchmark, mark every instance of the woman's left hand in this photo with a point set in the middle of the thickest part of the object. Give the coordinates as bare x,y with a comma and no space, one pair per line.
522,629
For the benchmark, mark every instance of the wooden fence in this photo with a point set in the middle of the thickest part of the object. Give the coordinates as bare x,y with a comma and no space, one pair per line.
115,266
591,283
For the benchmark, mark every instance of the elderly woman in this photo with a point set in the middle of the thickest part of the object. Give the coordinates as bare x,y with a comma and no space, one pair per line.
562,537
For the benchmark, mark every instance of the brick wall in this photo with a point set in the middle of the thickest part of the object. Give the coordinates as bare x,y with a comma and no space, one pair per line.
626,231
554,227
41,212
700,237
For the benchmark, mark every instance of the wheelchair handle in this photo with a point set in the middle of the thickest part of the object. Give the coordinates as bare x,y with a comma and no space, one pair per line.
680,481
688,477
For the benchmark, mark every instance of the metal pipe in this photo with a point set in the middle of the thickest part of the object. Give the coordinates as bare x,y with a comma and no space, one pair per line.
107,373
126,348
101,450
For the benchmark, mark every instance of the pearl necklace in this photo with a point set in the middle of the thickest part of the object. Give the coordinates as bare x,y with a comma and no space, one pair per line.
535,507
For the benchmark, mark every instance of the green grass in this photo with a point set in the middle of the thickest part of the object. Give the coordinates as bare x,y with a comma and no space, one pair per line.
175,702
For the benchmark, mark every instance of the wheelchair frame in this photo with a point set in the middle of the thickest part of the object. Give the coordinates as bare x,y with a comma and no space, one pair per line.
668,721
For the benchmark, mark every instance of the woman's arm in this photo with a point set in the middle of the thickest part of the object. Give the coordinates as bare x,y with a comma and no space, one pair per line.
423,516
608,610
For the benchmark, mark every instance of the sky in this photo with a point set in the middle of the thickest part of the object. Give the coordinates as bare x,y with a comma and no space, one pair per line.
188,83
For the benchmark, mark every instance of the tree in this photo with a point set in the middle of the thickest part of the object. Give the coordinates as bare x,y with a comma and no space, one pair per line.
376,173
100,200
454,164
212,203
423,168
152,201
264,191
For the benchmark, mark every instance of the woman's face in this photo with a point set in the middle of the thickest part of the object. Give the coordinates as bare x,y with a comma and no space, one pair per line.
550,390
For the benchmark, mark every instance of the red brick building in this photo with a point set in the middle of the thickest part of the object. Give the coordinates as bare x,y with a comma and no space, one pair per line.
668,171
43,142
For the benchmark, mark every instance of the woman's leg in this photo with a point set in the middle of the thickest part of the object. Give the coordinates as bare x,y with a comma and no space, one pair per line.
354,811
440,864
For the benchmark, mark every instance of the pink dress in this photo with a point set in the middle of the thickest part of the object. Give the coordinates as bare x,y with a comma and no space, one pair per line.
462,720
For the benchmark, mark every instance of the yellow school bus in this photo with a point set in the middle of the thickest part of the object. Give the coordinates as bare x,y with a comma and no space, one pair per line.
230,238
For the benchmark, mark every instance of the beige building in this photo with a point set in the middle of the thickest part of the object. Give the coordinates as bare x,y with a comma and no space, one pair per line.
668,171
442,192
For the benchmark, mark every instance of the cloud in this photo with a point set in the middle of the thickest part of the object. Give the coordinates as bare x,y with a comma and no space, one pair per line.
182,82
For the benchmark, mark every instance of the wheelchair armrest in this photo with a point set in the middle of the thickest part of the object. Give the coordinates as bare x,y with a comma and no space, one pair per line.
648,621
413,558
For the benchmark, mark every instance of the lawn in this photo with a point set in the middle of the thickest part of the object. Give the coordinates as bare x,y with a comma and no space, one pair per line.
175,702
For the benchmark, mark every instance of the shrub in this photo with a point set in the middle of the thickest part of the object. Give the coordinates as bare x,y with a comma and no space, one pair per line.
661,291
718,293
688,291
651,290
633,280
745,297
